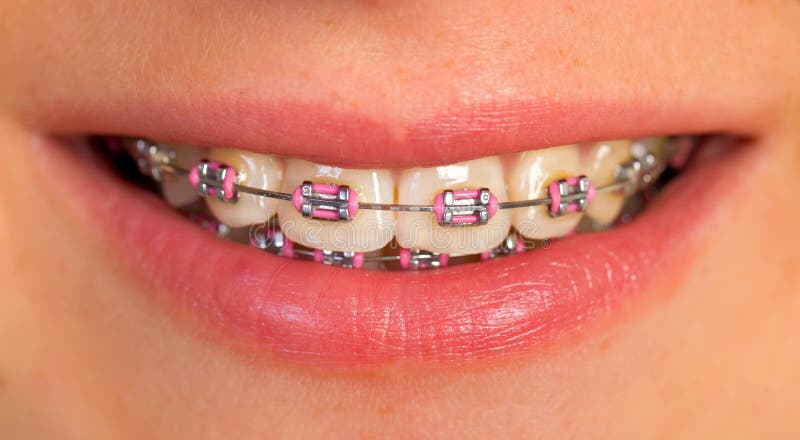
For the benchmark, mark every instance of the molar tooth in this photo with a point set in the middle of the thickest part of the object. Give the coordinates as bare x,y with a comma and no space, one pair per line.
662,148
254,170
659,146
367,231
600,165
176,189
531,174
420,186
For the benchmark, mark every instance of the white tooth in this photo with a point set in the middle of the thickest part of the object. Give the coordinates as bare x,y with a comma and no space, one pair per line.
531,174
419,186
176,190
254,170
659,146
600,165
368,231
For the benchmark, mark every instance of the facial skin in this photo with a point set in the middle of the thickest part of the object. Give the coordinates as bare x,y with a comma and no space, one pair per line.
710,349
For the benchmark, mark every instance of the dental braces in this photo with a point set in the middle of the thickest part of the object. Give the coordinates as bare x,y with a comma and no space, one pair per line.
339,203
269,238
451,207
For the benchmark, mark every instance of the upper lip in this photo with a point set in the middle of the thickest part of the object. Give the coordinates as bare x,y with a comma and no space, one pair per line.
317,132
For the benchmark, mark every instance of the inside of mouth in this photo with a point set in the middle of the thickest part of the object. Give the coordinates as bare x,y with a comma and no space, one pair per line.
411,219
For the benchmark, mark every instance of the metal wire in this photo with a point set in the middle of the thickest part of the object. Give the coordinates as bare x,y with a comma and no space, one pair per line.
616,186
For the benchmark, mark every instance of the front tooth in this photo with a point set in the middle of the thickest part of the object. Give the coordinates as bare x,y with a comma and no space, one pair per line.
419,186
176,189
368,231
531,174
600,163
255,170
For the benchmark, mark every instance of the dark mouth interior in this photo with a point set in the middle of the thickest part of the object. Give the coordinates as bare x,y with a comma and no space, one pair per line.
263,235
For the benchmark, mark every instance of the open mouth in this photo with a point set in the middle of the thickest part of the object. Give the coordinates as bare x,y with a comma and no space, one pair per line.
408,219
580,228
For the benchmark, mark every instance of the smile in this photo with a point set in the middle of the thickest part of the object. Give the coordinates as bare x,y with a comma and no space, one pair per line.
415,218
328,259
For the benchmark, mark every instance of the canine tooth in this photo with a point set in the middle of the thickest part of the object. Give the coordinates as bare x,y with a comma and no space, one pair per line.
420,186
600,165
367,231
254,170
176,189
531,174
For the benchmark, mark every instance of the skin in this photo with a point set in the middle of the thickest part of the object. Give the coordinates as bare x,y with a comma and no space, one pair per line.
709,350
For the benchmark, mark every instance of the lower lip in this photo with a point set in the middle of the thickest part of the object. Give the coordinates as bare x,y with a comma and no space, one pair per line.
324,316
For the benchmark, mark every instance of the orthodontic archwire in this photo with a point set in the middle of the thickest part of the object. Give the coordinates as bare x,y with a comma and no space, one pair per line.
339,203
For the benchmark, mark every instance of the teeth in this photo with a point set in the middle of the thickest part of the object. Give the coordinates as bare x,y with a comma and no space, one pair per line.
448,227
254,170
419,186
529,178
600,165
176,190
661,147
368,231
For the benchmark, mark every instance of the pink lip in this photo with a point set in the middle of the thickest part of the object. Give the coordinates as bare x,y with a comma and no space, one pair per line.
316,132
326,316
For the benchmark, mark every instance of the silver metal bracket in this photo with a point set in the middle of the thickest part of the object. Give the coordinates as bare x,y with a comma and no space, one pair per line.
154,159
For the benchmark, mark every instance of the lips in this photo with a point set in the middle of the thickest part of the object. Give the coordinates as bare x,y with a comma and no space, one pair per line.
323,316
